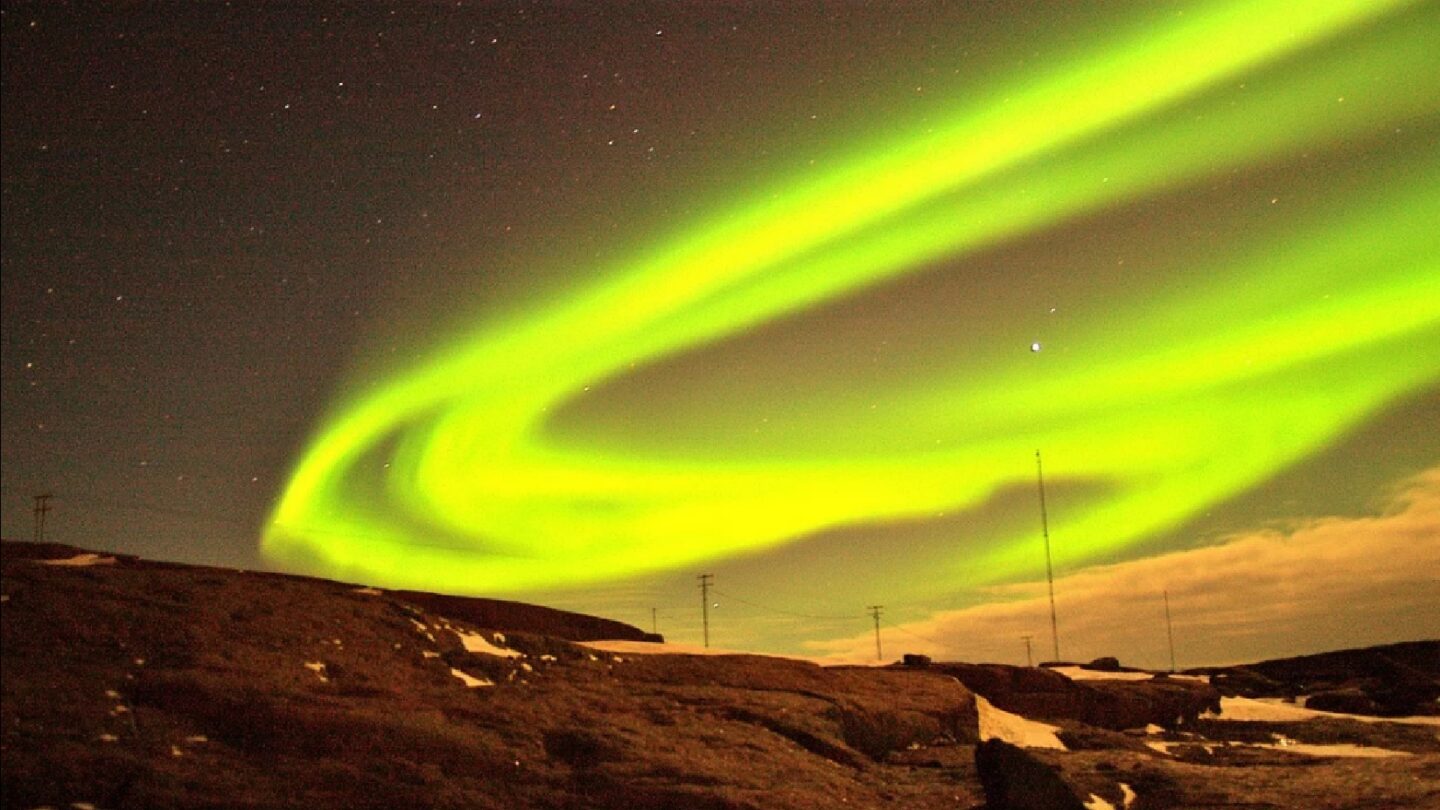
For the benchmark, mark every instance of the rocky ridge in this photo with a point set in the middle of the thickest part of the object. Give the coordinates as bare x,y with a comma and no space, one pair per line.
131,684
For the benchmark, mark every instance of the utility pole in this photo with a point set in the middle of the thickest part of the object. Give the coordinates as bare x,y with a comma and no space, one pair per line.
42,507
654,623
1029,659
875,613
1169,630
1049,570
705,604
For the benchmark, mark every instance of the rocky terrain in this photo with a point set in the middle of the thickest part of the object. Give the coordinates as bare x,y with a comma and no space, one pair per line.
1393,681
133,684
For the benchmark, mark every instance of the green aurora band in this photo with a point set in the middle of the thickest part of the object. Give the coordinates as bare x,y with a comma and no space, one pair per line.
452,476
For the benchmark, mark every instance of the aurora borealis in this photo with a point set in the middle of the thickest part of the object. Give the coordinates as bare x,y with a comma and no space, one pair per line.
803,353
1166,413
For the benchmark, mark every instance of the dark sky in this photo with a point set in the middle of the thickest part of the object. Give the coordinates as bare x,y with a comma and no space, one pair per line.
207,207
230,228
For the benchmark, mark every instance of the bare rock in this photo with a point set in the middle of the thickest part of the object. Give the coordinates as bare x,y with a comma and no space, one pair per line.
1108,663
1045,695
1347,701
1014,779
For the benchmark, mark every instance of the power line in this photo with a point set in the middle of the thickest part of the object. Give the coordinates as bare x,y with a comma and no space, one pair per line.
1049,571
1169,630
42,508
770,609
909,633
705,604
875,614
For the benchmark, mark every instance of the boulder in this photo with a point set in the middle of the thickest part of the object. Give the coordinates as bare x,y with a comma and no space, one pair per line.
1345,701
1117,705
1246,682
1399,679
1014,779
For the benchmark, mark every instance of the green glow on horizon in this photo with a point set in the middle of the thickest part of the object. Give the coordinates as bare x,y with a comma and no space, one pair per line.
447,477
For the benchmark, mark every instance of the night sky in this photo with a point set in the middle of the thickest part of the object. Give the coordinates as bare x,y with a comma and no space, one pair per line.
571,303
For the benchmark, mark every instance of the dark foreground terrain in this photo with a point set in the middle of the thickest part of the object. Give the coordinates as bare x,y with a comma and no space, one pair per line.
130,684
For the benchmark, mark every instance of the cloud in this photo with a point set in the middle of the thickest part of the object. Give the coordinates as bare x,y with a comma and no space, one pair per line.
1323,584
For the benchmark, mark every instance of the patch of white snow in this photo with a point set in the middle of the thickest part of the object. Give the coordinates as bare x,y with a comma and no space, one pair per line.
469,680
477,643
81,560
998,724
1276,711
1082,674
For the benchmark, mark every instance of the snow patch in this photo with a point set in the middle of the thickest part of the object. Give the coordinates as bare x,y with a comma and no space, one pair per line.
368,591
318,667
1128,795
1097,803
477,643
1164,746
1283,743
469,680
998,724
1333,750
1082,674
81,560
1347,750
1276,711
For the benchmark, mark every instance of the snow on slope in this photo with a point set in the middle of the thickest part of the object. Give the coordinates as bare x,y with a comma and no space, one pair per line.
998,724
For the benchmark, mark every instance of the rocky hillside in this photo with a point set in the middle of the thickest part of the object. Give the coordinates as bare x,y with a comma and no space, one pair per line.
1391,680
129,684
